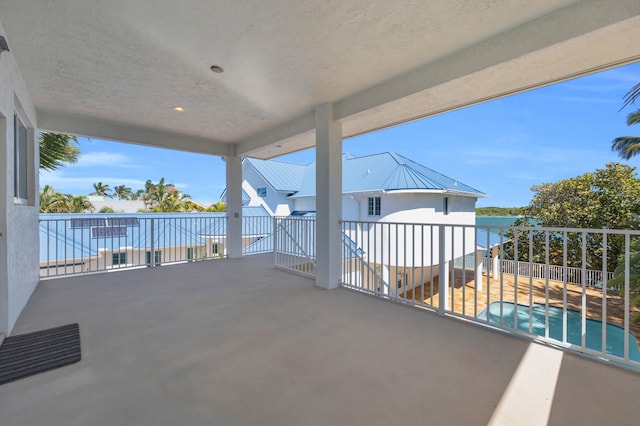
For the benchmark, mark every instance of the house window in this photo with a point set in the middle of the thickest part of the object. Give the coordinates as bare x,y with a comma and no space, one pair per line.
20,160
402,276
374,206
262,192
189,253
157,257
119,258
215,249
445,205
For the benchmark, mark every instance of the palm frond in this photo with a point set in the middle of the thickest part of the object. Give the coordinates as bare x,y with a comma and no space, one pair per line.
633,118
631,96
626,146
56,149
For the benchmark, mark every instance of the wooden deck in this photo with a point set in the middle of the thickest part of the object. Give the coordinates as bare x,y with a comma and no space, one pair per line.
529,291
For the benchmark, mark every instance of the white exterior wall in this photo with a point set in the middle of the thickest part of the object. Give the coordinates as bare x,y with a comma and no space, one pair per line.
305,204
19,245
413,245
119,206
276,203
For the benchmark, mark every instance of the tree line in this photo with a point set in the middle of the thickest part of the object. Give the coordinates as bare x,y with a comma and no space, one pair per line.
157,197
499,211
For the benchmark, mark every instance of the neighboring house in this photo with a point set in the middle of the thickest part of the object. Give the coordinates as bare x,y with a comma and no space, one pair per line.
381,188
384,187
270,184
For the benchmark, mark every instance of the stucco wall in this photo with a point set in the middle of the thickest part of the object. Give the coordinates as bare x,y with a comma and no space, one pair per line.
18,223
406,246
405,207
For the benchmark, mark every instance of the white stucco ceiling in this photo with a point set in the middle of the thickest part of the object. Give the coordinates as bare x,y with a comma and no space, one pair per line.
115,69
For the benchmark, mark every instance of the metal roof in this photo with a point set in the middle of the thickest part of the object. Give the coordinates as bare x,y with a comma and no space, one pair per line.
387,171
280,175
494,239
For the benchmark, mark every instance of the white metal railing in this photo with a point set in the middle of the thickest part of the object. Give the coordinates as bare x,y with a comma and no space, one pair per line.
555,273
87,243
294,244
448,269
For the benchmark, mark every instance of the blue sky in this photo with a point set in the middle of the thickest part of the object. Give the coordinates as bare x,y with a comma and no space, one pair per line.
502,147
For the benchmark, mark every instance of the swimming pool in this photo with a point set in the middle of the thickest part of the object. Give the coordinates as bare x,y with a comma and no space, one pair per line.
615,334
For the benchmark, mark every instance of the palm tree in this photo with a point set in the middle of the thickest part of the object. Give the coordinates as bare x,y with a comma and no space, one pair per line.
101,190
176,201
51,201
631,96
155,193
220,206
147,194
629,146
56,149
80,204
122,192
138,194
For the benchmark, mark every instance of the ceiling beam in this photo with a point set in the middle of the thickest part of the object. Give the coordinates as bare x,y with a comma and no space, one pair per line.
559,26
301,124
100,129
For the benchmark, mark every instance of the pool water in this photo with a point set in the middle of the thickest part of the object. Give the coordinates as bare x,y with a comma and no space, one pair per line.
615,334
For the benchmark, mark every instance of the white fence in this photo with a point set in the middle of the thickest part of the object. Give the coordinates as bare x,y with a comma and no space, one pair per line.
567,274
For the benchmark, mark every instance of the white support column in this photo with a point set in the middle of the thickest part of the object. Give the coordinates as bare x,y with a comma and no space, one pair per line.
479,270
495,259
234,207
443,272
328,197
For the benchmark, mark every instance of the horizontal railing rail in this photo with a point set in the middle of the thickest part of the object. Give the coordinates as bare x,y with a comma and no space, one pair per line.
534,281
80,244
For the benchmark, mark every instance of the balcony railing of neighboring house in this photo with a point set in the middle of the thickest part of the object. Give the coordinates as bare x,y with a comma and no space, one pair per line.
257,234
79,244
294,244
444,268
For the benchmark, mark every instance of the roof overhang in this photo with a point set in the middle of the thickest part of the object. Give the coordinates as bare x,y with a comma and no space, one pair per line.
114,70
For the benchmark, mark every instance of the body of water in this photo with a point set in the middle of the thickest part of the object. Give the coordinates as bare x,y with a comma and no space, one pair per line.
496,220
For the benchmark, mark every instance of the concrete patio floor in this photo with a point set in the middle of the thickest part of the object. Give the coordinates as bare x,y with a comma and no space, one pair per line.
236,342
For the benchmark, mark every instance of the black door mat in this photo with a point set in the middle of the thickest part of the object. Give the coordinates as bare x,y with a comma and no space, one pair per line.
33,353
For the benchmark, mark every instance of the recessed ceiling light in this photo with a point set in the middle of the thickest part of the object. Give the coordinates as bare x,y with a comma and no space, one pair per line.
178,109
217,69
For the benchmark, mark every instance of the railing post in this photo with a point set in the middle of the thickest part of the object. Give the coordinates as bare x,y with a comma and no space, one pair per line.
152,255
443,272
274,232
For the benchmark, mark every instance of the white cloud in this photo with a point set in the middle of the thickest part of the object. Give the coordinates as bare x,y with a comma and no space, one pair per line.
110,159
65,183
